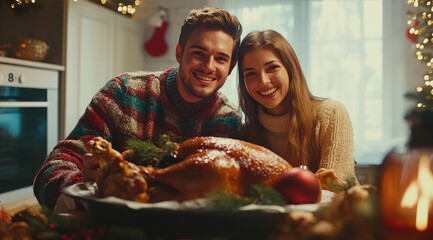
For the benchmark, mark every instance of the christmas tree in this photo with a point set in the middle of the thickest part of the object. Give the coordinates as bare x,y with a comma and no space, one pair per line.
420,32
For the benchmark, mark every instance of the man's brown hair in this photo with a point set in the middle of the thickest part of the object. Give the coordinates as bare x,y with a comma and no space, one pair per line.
211,18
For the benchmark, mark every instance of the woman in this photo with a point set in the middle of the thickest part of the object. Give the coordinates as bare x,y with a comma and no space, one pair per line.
282,114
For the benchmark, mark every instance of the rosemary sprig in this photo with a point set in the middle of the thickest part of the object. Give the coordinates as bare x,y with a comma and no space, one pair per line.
263,195
147,153
258,194
226,201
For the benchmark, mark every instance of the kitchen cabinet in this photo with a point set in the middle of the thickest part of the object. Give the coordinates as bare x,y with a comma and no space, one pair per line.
100,44
41,20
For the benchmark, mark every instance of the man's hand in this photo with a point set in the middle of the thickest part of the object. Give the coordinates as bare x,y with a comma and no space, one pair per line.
90,162
90,167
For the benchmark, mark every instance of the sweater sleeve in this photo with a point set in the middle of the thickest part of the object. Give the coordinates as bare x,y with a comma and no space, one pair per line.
335,137
63,165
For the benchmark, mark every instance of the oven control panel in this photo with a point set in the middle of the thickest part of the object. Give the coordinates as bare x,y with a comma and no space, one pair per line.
11,77
22,76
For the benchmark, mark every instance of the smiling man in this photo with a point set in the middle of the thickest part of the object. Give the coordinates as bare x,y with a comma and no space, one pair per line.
205,62
182,102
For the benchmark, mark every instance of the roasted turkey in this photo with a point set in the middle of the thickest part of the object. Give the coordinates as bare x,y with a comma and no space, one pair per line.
209,164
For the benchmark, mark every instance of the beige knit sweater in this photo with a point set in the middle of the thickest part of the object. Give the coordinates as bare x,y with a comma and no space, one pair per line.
334,134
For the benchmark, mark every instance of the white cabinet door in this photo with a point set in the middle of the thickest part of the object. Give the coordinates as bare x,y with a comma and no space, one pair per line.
100,44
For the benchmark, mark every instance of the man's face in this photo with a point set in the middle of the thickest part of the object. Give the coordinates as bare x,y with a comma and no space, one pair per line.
204,63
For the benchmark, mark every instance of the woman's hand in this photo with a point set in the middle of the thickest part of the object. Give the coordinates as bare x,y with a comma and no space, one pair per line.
329,180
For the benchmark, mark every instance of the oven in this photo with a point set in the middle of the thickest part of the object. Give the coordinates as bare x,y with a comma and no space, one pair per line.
28,126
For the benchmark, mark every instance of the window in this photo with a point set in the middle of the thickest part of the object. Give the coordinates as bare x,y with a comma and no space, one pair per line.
341,48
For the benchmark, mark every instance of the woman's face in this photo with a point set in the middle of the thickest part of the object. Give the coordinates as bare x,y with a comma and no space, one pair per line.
266,80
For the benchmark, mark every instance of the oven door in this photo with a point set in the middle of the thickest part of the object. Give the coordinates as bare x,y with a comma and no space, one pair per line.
29,121
23,135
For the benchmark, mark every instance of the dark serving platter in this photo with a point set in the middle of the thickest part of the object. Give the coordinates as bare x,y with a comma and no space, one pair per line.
175,220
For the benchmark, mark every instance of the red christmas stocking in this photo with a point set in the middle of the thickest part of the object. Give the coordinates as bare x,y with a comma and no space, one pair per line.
157,46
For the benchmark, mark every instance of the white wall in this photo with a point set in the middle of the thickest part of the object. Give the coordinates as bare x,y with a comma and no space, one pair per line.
177,11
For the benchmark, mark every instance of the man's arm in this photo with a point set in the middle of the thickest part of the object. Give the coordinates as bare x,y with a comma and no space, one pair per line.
64,165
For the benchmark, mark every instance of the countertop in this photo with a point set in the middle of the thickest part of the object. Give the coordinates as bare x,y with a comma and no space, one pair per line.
17,206
20,62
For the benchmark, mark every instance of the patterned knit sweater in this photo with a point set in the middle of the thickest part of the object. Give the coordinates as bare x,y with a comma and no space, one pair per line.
333,133
140,105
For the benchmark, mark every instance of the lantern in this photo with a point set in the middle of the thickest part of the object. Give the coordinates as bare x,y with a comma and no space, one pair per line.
406,193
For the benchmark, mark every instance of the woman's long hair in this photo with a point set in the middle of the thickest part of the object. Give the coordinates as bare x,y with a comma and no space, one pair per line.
302,104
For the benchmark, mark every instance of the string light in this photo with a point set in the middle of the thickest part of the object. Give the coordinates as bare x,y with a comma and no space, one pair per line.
17,3
126,7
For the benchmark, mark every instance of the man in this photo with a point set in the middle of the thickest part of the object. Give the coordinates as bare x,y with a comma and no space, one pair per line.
182,102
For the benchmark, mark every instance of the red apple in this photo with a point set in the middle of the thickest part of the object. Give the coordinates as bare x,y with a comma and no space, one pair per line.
299,186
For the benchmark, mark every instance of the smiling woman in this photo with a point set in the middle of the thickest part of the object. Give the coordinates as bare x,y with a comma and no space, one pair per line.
282,115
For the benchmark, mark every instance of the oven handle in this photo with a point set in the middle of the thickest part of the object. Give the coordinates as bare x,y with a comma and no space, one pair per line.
24,104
